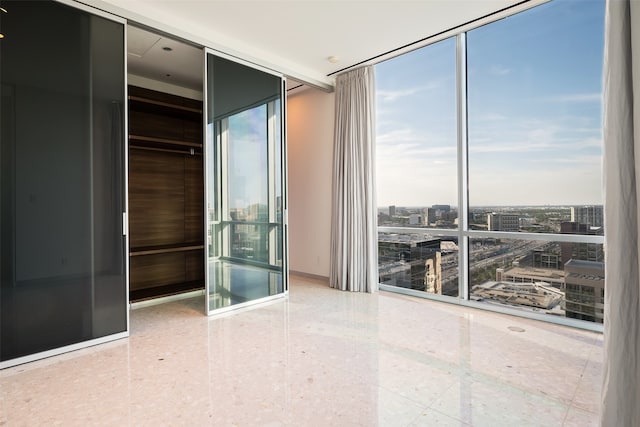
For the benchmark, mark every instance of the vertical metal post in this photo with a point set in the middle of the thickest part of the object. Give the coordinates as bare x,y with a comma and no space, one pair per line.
206,146
463,166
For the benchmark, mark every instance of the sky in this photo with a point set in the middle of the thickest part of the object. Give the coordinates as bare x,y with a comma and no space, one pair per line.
248,179
534,113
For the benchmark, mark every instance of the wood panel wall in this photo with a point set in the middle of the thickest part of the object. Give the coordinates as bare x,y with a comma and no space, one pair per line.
166,194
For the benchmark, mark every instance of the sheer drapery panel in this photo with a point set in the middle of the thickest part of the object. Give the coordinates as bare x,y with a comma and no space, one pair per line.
354,239
620,393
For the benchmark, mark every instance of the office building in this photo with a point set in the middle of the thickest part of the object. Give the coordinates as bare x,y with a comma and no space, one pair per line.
584,296
542,259
581,251
430,216
441,208
415,219
410,261
503,222
590,215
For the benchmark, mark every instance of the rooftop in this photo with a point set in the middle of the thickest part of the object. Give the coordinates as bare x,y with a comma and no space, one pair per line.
410,239
539,294
535,272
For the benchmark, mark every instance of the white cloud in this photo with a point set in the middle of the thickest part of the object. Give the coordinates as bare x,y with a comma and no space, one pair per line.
410,143
577,97
490,117
580,184
584,160
397,136
539,158
393,95
416,151
499,70
406,179
557,136
511,147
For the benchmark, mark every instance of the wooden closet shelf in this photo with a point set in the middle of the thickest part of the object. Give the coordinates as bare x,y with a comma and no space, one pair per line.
166,105
153,250
166,150
165,290
142,138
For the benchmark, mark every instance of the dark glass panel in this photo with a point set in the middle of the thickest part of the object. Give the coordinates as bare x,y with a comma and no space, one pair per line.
63,275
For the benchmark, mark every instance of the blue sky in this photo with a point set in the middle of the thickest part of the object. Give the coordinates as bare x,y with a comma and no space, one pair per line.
248,158
534,84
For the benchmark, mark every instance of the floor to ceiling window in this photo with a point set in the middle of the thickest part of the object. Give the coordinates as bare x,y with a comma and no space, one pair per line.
489,168
416,167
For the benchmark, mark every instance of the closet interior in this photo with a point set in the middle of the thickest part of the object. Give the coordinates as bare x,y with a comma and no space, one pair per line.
166,177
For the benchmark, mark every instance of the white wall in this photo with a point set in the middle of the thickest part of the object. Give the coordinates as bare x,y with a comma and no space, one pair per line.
310,117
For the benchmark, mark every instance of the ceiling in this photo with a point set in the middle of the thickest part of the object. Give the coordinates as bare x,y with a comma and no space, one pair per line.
295,36
158,57
161,58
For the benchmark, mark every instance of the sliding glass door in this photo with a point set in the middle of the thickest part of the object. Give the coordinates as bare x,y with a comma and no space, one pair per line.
62,170
246,233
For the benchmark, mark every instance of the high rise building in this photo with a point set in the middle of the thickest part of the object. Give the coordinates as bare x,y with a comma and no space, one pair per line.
415,219
584,269
441,208
430,216
590,215
581,251
503,222
584,290
410,261
392,210
542,259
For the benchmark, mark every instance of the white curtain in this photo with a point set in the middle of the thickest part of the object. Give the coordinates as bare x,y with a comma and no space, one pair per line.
354,239
621,392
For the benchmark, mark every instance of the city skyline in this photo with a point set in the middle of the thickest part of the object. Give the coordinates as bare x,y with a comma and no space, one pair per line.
454,207
534,114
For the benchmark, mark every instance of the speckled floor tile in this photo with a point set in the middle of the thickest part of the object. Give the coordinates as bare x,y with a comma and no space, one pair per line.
321,357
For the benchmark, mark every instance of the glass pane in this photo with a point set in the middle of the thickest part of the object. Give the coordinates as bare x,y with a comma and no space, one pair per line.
534,104
279,171
247,207
416,142
248,175
419,262
244,170
63,271
559,278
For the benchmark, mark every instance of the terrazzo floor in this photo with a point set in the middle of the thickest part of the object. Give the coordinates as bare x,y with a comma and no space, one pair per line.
322,357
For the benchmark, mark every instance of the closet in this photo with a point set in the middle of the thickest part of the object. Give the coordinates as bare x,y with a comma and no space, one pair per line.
166,194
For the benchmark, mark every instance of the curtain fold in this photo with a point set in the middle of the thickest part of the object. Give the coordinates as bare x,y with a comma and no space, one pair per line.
354,239
621,131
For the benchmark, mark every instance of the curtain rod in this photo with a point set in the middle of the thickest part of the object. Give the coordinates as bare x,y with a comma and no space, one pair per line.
464,24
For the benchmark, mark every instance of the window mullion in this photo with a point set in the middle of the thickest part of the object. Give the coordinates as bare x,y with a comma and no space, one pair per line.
463,188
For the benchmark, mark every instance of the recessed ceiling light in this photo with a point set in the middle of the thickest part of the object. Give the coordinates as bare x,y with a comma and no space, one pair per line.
1,36
3,10
333,59
167,49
